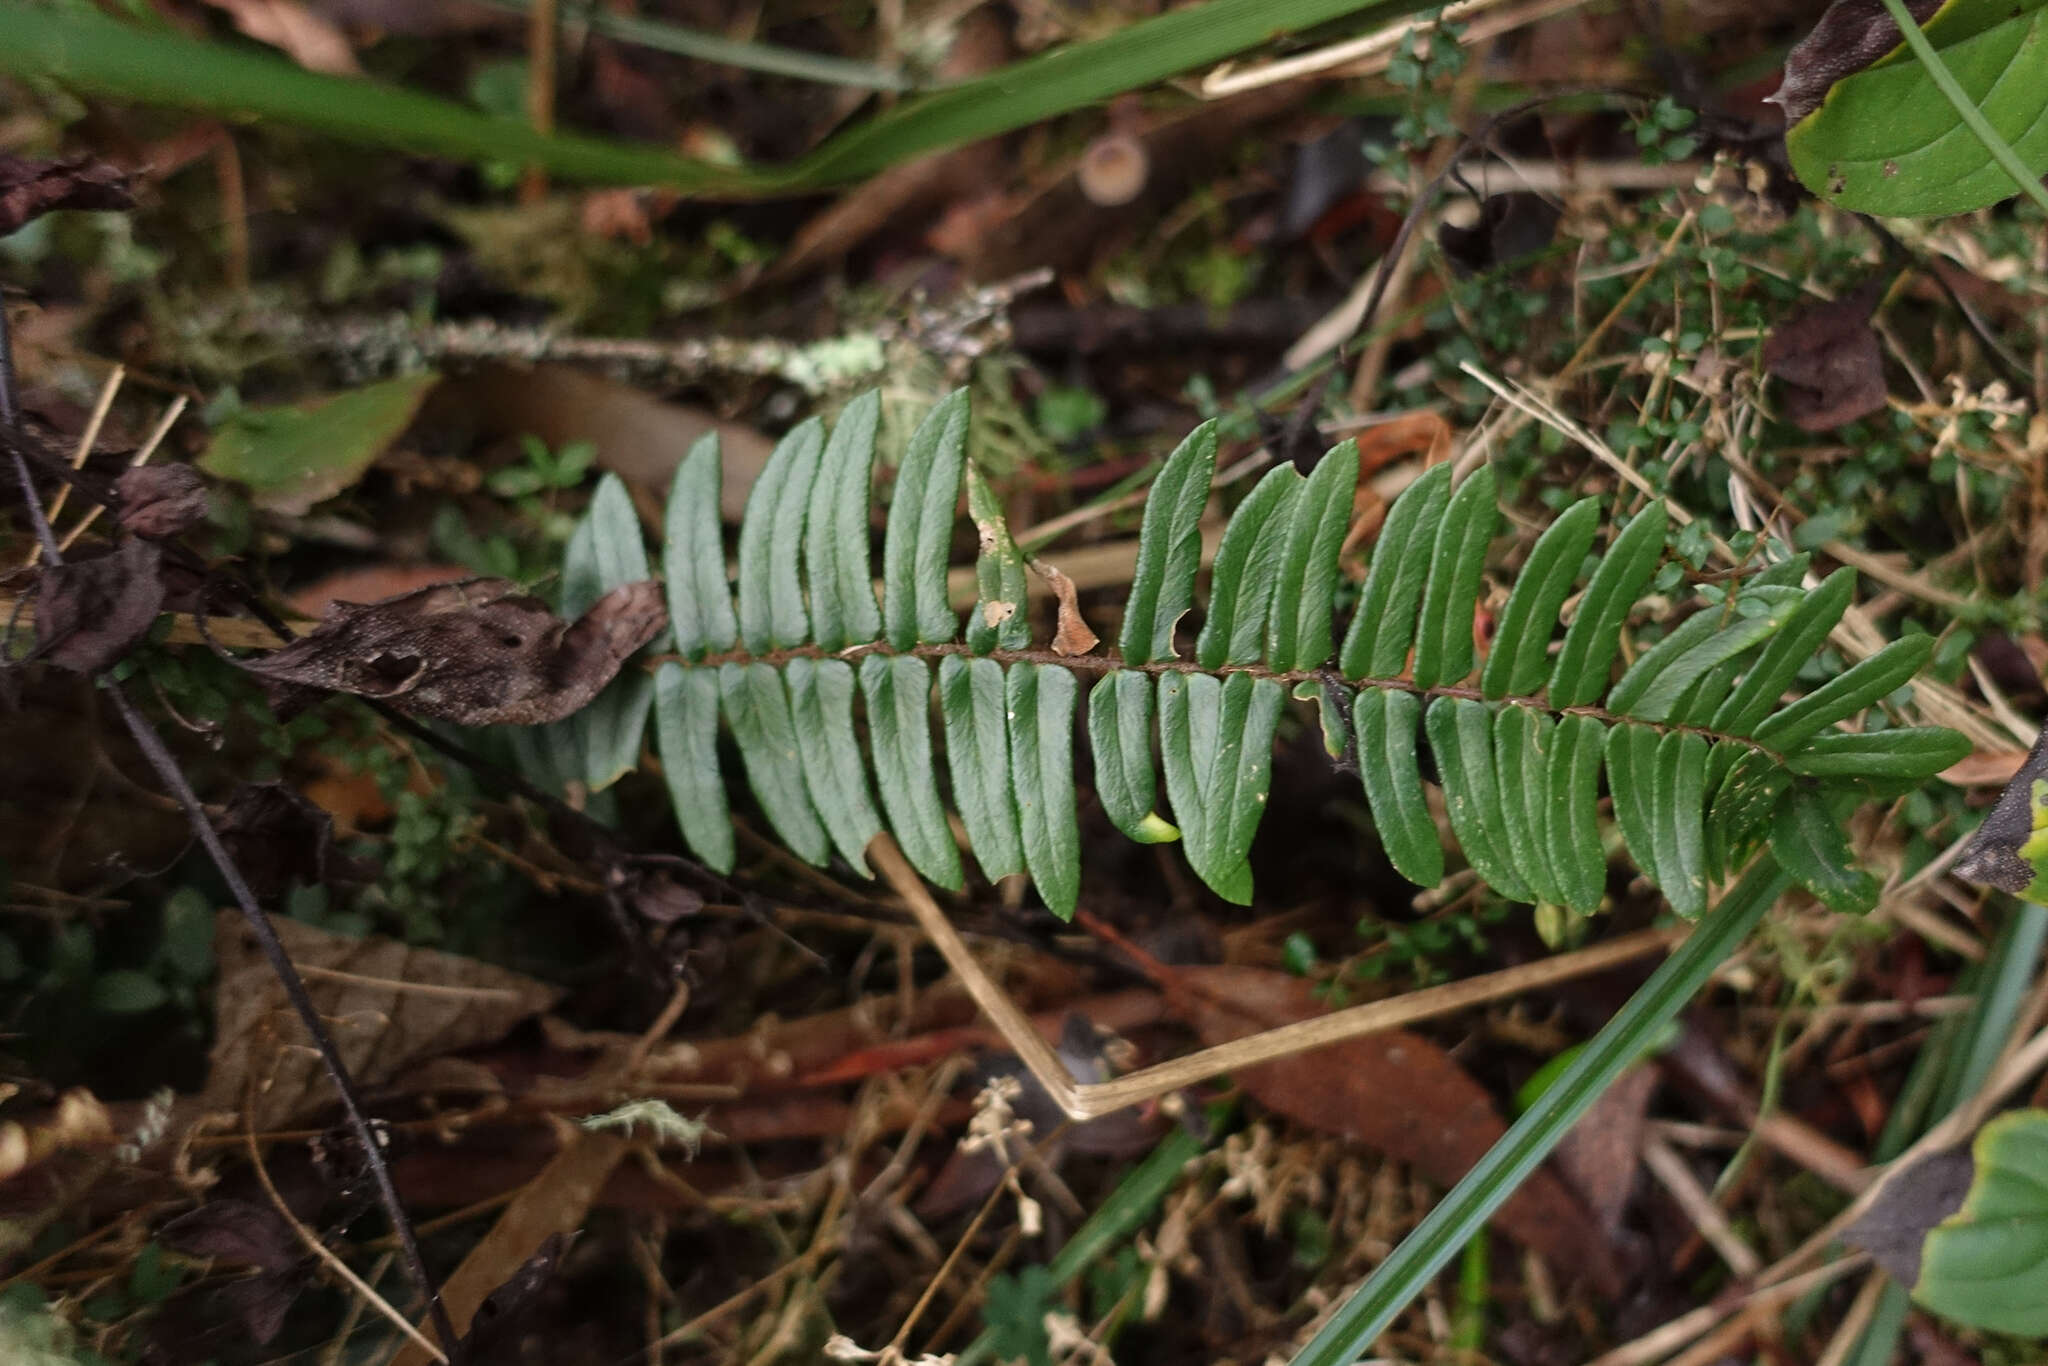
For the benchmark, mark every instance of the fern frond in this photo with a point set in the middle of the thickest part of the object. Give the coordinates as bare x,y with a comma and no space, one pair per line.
829,694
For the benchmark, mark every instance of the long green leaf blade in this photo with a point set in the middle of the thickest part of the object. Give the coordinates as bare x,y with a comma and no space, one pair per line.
1667,674
1911,753
843,610
999,620
1632,780
1595,633
1240,770
757,709
1520,657
1443,645
1299,636
772,615
920,532
686,736
1574,782
1797,642
1246,572
821,706
1461,737
898,689
1518,760
973,703
1041,698
1169,548
1843,696
1120,736
693,557
1383,628
1678,813
1387,722
1190,717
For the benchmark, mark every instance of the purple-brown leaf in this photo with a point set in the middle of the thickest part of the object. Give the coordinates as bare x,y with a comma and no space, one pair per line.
1849,37
89,613
1828,359
159,501
477,653
277,838
235,1231
30,189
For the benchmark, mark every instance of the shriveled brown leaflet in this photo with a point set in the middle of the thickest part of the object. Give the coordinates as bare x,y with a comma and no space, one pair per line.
477,653
159,501
89,613
1829,361
30,189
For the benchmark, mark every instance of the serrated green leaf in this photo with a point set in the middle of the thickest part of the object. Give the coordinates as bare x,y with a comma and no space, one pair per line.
1243,579
1387,722
1169,548
919,537
1443,645
1809,843
821,706
1298,636
1987,1264
1520,658
1678,820
1461,737
1886,140
999,620
1041,701
973,704
1801,637
842,589
771,586
1383,628
899,691
1580,675
1915,753
1631,779
1574,784
757,710
1519,751
686,735
1856,688
693,557
1120,735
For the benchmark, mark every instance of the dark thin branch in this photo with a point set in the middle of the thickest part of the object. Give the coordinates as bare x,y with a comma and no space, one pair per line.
173,777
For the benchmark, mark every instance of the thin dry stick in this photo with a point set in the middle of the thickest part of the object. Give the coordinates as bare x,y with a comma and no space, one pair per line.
100,408
156,437
1371,53
1662,1341
1085,1101
1672,1173
1849,1333
334,1263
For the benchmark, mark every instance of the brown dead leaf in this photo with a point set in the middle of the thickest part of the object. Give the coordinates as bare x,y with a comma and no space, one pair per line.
1985,768
1600,1153
372,583
300,34
1070,635
1828,358
1850,36
30,189
523,1246
477,653
89,613
78,1121
1394,1092
389,1006
160,501
276,837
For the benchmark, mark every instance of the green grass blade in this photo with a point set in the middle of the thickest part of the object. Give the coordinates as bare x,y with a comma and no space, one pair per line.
1041,699
821,706
1358,1323
693,557
1383,627
1443,646
757,710
1120,736
842,587
1521,643
972,704
920,533
1461,737
1247,567
772,615
898,689
1595,633
686,735
1299,635
1169,548
1387,723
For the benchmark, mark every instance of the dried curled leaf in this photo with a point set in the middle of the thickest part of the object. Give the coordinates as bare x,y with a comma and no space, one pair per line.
30,189
2008,851
1849,37
158,501
1071,634
89,613
477,653
1829,360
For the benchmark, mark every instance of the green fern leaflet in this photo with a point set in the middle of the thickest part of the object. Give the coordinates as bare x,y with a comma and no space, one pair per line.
829,693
